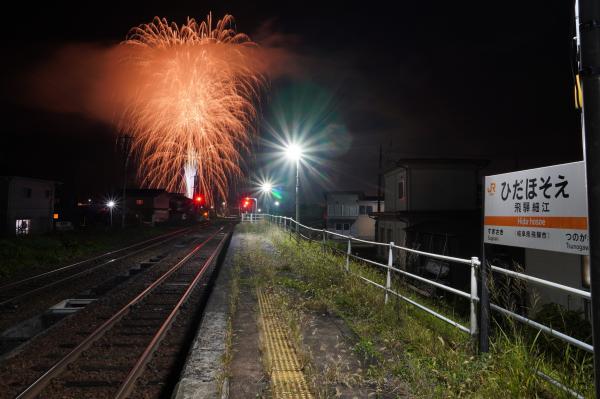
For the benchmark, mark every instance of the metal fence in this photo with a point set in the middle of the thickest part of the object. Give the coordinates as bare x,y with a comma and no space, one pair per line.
323,236
314,234
252,217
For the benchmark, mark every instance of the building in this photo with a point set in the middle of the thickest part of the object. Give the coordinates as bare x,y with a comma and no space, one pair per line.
148,205
349,213
26,205
432,205
181,208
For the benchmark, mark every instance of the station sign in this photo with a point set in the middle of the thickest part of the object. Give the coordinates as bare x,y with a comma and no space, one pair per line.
543,208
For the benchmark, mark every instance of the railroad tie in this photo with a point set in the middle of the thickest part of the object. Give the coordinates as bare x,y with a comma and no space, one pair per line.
287,379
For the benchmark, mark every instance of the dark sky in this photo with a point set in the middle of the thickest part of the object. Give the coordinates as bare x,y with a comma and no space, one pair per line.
442,79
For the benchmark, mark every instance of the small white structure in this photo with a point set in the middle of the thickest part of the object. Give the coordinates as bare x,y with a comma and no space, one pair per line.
349,213
26,205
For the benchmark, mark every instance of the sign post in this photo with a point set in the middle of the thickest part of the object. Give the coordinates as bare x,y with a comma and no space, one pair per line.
543,208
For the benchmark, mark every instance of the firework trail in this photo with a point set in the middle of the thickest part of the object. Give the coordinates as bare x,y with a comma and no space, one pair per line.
190,102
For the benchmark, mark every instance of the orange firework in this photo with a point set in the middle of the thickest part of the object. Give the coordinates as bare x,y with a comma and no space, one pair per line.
190,102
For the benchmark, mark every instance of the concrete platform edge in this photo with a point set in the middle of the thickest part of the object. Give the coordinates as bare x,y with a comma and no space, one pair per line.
204,364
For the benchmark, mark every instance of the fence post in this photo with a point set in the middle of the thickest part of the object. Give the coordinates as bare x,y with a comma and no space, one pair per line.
473,313
324,240
348,255
388,277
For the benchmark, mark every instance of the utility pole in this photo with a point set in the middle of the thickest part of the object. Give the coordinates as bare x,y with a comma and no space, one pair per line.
587,20
297,194
379,171
125,143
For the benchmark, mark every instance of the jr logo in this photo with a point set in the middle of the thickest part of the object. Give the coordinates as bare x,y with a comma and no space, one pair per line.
491,189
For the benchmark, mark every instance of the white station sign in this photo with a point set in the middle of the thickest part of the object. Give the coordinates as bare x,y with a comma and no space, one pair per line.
544,208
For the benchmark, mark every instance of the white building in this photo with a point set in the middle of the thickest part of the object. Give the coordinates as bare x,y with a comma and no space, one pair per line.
26,205
349,213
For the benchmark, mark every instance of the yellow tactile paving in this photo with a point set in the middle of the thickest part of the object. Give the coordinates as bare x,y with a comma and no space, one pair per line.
287,379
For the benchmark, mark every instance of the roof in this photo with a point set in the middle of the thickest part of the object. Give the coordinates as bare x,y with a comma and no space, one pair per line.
464,163
361,195
9,178
146,192
372,198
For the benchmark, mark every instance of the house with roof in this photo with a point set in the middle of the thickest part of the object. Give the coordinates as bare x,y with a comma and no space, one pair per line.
432,205
148,205
26,205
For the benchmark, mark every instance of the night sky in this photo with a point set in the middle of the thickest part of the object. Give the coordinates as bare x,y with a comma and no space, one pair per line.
444,79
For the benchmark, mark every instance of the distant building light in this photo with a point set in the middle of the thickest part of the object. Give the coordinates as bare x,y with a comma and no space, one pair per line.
55,216
139,202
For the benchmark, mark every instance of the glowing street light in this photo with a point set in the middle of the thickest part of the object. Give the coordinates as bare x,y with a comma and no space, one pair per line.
111,204
266,187
276,203
294,153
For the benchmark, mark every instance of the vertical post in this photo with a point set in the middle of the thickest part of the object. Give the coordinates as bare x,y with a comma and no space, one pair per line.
484,304
484,273
588,31
324,239
473,313
297,195
388,278
348,252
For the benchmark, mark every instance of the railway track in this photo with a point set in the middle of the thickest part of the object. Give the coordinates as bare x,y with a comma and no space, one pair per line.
14,292
110,359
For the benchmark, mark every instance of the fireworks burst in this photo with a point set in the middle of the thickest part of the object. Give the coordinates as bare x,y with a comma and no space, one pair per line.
190,103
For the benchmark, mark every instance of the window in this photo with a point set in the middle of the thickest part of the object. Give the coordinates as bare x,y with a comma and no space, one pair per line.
23,226
27,192
362,210
401,189
139,202
369,209
338,226
346,226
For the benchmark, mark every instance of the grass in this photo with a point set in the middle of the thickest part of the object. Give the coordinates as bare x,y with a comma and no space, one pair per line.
406,345
48,250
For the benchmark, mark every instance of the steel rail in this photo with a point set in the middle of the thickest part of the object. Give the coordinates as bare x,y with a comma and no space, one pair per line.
127,386
38,385
82,273
25,280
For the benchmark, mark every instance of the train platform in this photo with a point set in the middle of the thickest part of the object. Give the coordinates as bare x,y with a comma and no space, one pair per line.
252,342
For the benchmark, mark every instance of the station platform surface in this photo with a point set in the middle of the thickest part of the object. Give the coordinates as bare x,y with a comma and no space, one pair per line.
245,347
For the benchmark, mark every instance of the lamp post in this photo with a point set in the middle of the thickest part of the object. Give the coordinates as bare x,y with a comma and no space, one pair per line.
294,153
111,205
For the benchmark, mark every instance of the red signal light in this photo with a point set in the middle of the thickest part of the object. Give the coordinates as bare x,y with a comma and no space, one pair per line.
198,199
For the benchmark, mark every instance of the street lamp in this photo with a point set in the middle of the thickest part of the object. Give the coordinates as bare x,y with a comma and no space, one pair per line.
294,153
111,205
267,188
